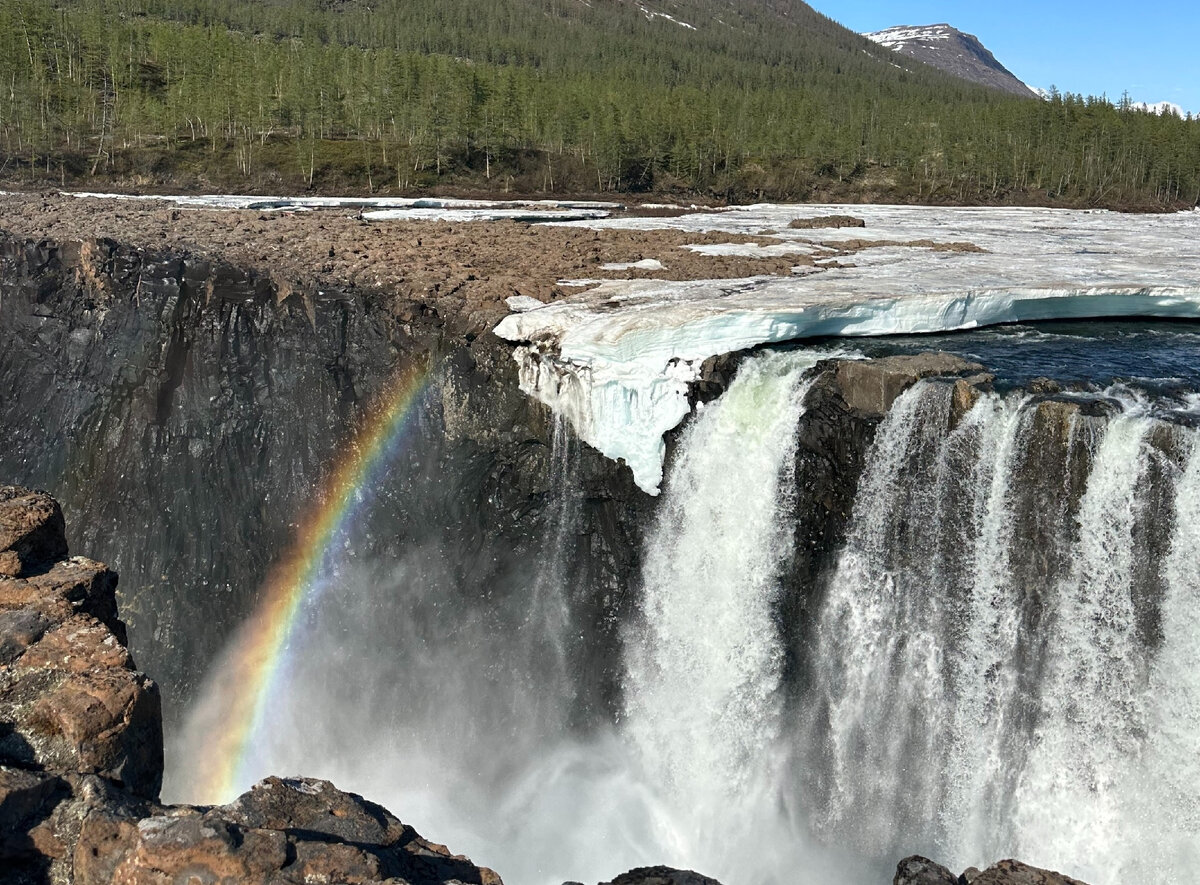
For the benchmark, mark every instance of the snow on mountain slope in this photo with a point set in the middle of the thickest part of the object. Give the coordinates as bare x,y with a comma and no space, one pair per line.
949,49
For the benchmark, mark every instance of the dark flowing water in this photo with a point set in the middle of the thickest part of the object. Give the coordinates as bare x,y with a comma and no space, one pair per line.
1162,356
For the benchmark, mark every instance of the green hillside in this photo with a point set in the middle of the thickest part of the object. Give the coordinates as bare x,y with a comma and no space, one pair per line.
745,99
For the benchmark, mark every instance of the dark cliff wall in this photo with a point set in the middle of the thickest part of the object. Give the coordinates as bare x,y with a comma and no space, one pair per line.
185,412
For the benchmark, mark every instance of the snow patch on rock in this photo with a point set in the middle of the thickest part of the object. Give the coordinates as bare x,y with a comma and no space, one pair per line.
617,360
644,264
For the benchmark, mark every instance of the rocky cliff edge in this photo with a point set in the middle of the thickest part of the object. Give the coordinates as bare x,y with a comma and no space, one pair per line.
81,755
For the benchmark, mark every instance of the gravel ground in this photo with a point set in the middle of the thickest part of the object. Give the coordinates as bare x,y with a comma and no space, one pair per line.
466,268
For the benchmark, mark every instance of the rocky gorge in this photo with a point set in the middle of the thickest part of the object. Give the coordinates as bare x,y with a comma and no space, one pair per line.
497,592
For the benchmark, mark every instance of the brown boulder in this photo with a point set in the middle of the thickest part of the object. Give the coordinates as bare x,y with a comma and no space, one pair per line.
105,720
1013,872
662,876
41,815
826,221
917,870
72,586
871,386
70,700
293,830
32,531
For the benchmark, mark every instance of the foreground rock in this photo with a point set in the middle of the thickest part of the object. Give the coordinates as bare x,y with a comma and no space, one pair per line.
292,830
918,870
31,531
915,870
70,698
1012,872
661,876
81,756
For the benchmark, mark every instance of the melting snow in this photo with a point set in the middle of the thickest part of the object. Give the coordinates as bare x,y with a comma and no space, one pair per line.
617,360
384,208
754,250
644,264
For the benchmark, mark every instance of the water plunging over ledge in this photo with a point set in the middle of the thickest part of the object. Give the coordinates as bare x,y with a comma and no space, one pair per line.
995,665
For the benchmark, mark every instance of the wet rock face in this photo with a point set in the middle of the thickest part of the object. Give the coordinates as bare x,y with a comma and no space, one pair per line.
155,389
152,389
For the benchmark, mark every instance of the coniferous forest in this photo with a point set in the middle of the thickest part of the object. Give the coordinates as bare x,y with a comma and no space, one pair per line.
733,99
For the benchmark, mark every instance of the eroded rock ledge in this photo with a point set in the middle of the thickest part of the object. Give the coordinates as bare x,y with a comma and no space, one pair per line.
81,755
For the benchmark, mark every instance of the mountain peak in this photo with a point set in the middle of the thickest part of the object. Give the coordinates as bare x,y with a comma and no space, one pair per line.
945,47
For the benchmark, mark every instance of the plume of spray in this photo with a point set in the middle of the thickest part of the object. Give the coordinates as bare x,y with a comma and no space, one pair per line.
222,730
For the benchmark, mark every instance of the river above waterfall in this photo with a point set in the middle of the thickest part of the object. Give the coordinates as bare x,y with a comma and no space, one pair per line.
1162,357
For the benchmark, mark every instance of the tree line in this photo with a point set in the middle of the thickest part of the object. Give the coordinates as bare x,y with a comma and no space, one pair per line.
766,100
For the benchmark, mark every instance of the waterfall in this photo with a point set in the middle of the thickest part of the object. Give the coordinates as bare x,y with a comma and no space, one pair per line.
1092,716
998,660
1002,662
926,551
1171,809
704,660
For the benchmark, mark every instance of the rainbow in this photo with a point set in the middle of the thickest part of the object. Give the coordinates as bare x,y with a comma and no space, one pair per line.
253,663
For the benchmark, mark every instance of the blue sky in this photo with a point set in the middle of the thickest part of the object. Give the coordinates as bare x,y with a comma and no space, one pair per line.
1150,48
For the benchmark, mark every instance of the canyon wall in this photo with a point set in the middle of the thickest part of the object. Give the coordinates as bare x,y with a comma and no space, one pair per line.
186,412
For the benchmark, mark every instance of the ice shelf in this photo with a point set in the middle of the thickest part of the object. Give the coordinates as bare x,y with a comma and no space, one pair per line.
617,360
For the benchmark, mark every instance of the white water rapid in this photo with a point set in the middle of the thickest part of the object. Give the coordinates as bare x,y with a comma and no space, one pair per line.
705,659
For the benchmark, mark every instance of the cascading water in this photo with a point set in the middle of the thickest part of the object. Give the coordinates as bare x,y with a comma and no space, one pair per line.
1170,812
705,660
983,682
1091,719
999,662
